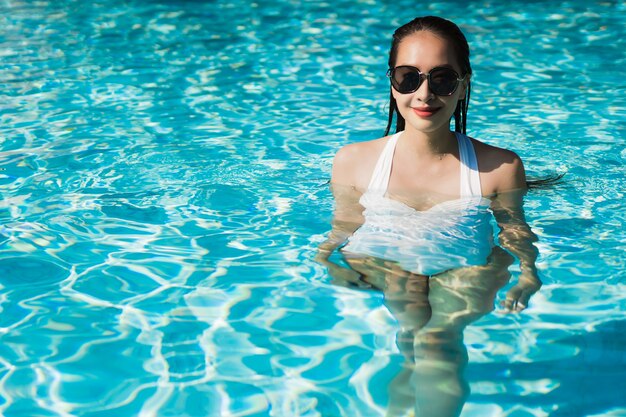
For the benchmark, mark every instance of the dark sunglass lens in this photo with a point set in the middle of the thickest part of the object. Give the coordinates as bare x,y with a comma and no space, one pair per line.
406,79
443,81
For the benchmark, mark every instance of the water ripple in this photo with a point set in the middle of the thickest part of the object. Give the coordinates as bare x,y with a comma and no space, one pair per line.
163,182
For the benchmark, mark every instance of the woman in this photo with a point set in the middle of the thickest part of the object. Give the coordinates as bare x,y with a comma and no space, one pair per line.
412,217
426,184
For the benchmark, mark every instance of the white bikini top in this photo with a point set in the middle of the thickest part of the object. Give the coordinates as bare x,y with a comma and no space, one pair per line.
470,178
450,235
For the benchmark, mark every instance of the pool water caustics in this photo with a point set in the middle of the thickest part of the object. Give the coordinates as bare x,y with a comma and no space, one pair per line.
164,173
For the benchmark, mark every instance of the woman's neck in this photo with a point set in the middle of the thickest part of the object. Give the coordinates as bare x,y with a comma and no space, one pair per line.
429,144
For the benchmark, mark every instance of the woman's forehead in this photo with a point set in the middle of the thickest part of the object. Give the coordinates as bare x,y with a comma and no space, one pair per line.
425,49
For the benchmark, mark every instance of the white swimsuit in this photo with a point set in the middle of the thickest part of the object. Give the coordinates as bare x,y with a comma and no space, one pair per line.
449,235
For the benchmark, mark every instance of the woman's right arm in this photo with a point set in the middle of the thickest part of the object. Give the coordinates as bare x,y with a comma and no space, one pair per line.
348,217
348,214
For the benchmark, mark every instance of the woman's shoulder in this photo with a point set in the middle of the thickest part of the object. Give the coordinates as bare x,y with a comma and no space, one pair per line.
354,163
360,149
501,169
494,153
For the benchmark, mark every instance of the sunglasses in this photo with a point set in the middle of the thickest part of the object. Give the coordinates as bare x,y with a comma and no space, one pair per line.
442,81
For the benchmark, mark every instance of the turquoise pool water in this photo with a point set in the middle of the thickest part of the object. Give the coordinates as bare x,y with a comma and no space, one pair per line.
163,170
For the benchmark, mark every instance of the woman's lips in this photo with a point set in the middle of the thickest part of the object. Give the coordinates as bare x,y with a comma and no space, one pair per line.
426,111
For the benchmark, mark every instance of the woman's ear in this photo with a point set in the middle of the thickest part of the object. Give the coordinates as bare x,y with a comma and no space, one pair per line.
463,86
394,93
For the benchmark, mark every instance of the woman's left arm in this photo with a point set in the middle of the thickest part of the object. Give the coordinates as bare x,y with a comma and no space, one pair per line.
517,237
515,234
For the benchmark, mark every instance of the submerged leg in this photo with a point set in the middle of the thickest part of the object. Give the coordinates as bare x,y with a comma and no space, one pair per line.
406,297
457,298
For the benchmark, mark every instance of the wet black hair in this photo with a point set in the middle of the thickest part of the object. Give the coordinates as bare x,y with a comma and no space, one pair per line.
446,30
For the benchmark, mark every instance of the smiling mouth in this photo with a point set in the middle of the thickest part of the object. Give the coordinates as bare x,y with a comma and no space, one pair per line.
426,112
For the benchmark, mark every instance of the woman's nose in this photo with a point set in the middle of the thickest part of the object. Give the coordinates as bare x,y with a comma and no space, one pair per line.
423,93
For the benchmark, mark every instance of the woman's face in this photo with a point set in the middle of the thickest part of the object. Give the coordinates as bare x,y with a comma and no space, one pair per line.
422,109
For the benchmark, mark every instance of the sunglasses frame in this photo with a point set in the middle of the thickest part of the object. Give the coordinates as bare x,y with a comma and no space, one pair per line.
391,72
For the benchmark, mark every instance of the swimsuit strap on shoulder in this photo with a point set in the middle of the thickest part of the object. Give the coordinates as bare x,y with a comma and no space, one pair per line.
382,171
470,178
